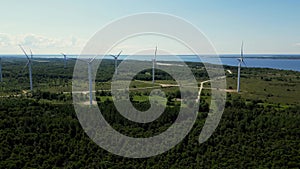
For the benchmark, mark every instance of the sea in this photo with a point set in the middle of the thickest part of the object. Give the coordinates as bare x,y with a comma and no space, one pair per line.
284,62
278,61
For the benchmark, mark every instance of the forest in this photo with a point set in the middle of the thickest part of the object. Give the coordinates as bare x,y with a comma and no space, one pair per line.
39,129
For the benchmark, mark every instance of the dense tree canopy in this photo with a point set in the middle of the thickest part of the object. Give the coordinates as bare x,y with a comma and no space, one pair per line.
45,135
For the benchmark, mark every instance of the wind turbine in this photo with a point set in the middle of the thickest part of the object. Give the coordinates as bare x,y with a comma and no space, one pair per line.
65,60
1,80
153,66
29,64
241,60
116,61
89,63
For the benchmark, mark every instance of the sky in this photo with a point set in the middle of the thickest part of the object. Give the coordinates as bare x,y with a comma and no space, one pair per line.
52,27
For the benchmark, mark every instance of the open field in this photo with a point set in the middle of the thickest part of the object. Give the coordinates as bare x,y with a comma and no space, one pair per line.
265,85
272,86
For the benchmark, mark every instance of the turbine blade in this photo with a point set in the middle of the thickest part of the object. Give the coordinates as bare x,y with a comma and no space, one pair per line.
155,52
119,54
113,56
24,51
244,62
242,50
65,56
92,59
31,54
26,65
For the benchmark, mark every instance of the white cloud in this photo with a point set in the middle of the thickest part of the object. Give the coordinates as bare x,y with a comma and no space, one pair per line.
297,44
39,42
5,40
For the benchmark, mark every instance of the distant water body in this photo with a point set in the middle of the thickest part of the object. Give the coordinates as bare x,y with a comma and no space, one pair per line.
285,62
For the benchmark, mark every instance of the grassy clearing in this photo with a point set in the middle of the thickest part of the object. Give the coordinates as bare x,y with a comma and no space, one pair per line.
274,88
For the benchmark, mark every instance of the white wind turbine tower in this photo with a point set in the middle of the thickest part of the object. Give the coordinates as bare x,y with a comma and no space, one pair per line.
29,64
89,63
153,66
116,61
241,60
65,60
1,80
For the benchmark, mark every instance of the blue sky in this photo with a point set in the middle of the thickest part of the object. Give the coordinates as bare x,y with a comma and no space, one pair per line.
50,27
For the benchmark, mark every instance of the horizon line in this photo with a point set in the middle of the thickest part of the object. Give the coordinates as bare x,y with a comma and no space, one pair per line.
58,54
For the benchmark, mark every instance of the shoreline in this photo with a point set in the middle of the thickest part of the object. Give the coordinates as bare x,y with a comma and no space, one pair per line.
187,59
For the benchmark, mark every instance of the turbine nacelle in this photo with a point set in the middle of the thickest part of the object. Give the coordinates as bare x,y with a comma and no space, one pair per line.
241,60
116,56
116,61
65,60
